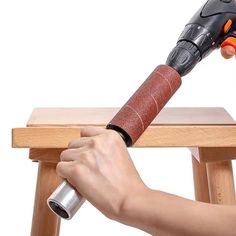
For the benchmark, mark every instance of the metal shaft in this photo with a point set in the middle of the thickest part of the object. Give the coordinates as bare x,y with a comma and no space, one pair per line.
65,201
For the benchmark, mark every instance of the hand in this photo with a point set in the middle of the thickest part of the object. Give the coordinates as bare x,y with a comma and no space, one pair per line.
98,165
228,52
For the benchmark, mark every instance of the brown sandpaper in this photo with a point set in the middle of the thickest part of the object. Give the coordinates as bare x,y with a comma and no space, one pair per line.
141,109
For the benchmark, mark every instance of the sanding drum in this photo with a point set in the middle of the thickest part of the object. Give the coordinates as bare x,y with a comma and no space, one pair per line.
131,121
141,109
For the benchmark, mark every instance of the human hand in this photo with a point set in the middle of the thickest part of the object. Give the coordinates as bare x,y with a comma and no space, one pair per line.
228,52
98,165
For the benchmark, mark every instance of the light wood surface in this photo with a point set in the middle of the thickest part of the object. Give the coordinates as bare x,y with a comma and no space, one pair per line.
45,222
221,183
200,181
154,136
101,116
45,154
212,154
174,127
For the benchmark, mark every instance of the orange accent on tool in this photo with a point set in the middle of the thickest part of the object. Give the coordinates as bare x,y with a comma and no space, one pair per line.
231,41
228,26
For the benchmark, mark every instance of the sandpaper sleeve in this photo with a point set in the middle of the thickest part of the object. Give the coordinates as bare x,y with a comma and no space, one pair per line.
141,109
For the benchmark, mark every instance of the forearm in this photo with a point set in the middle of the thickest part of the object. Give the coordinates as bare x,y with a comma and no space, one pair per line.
122,196
164,214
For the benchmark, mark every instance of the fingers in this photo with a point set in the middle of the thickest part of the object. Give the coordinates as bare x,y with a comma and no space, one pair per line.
78,143
92,131
64,169
86,134
78,149
72,154
78,146
228,52
78,152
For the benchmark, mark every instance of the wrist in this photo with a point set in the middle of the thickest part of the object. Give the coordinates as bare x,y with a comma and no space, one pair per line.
139,210
132,204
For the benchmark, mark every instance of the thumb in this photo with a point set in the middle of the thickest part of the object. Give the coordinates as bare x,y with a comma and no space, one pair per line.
228,52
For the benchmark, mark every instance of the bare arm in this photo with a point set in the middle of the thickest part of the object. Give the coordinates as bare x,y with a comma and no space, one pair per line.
164,214
100,167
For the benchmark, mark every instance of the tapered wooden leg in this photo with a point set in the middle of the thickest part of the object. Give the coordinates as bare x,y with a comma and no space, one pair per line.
221,182
45,223
200,181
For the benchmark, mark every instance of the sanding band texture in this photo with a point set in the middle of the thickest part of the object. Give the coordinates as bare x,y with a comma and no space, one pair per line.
141,109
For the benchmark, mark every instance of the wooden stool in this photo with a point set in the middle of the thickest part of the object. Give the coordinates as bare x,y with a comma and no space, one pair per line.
209,133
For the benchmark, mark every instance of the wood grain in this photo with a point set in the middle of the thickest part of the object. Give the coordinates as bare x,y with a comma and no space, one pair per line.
45,222
200,181
46,155
221,183
155,136
101,116
213,154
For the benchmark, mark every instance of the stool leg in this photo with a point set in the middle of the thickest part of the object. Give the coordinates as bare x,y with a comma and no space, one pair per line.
200,181
45,223
221,182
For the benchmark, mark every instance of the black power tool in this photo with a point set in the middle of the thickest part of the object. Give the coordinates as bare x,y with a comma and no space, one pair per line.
214,25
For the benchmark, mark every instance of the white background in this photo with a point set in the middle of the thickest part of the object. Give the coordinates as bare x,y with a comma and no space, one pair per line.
94,54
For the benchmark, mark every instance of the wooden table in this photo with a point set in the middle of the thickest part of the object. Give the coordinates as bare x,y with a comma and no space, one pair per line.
209,133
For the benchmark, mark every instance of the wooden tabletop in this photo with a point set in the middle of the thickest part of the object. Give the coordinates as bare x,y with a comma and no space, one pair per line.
101,116
174,127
